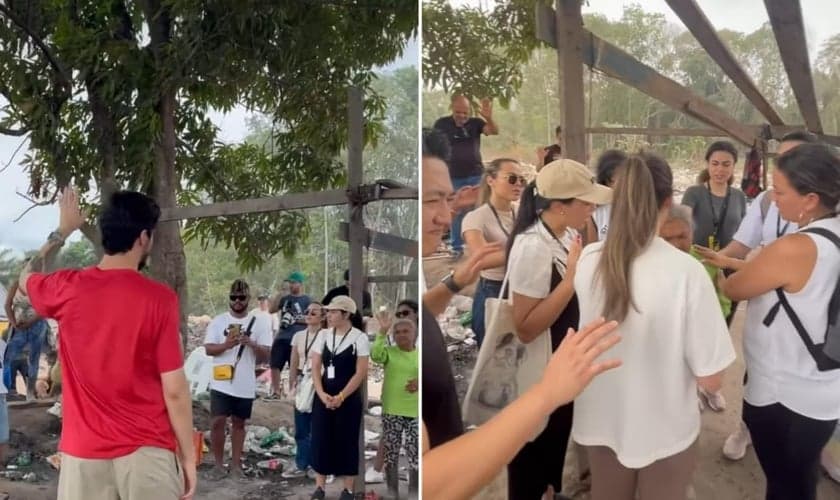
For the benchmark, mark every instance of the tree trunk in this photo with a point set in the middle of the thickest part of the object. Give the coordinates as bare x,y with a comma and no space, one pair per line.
168,258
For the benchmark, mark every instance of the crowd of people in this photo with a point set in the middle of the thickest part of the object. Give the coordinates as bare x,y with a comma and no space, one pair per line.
571,246
127,428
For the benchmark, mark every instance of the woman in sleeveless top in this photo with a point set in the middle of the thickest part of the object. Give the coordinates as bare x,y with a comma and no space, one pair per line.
790,406
339,365
491,222
542,260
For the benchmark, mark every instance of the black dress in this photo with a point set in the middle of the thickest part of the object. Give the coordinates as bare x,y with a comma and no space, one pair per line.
335,433
540,462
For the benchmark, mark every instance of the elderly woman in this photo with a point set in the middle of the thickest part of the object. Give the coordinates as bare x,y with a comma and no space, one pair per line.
677,230
492,222
399,401
791,407
339,365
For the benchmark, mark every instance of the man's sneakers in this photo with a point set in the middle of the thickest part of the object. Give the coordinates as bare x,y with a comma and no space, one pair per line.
735,446
318,494
293,473
374,476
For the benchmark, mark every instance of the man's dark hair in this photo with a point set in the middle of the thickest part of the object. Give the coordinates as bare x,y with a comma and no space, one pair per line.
412,304
800,136
558,129
435,144
606,165
124,217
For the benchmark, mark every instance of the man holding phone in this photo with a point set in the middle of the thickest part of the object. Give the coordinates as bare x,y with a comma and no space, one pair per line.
237,341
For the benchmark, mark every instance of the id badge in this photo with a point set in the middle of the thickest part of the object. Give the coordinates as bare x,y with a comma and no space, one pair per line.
330,372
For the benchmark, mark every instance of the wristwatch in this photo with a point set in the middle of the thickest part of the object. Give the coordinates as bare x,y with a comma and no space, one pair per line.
449,281
56,237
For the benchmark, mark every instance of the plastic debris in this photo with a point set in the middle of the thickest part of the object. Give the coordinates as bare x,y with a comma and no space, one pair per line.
376,411
371,436
55,409
271,464
24,459
30,477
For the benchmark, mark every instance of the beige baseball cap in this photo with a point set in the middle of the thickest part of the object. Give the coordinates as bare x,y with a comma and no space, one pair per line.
342,303
566,179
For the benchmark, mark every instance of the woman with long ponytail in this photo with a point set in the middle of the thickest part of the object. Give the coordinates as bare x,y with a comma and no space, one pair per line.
640,424
543,252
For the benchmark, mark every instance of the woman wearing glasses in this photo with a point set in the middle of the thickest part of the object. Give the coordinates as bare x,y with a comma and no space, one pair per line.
544,250
492,222
300,375
339,365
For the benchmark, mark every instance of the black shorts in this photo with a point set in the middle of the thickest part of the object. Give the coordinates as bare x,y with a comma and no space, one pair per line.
229,406
281,353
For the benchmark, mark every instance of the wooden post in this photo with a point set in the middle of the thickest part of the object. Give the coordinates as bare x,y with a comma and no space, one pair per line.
570,60
355,174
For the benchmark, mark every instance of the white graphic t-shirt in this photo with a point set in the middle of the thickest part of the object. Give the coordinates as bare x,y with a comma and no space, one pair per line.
244,382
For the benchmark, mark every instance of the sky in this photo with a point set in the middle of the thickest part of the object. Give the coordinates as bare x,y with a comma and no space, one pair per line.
32,230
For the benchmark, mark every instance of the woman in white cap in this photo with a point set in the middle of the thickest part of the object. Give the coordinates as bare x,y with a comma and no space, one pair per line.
340,355
542,259
640,424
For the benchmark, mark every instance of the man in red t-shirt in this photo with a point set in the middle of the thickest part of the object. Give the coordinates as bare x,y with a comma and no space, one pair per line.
126,403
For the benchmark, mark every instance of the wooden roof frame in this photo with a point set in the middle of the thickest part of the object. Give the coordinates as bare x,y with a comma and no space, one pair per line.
562,28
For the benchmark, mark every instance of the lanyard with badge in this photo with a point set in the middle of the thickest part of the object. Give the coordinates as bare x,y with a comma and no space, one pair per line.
717,222
558,242
307,345
331,367
499,219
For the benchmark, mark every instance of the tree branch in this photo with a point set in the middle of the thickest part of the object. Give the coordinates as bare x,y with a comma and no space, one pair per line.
38,42
14,154
16,132
35,203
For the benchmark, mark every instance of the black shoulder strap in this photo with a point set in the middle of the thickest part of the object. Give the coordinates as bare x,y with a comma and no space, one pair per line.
815,350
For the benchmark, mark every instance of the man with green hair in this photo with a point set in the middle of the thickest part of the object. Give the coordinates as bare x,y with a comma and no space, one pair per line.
291,309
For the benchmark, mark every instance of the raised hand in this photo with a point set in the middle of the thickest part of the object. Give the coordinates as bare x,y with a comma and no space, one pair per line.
70,215
486,109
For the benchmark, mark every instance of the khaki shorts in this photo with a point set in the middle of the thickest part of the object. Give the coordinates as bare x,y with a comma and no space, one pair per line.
148,473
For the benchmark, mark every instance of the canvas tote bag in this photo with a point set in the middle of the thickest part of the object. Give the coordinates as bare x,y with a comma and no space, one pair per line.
506,367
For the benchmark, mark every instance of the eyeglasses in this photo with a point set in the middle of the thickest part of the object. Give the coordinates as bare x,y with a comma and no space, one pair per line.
240,298
402,314
514,179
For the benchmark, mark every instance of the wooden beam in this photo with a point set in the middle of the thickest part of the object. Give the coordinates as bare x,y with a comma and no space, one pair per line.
292,201
570,61
392,278
615,63
669,132
789,29
381,241
355,144
700,26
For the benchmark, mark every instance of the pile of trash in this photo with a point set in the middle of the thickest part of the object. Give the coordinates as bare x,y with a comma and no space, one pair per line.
455,324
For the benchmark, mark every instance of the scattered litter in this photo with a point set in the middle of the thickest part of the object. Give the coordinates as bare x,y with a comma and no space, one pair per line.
24,459
370,454
55,409
31,477
13,475
12,467
452,348
376,411
199,371
272,464
54,460
371,436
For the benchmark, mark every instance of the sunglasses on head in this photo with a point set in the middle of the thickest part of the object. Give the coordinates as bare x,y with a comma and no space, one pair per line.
241,298
514,179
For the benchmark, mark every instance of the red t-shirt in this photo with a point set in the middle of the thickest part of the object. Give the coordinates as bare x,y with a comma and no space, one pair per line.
118,332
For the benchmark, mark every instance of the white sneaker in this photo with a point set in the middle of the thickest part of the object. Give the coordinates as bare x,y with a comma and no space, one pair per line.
735,446
330,479
293,473
374,476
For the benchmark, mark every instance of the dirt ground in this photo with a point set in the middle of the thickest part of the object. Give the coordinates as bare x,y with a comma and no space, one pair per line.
715,478
36,431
